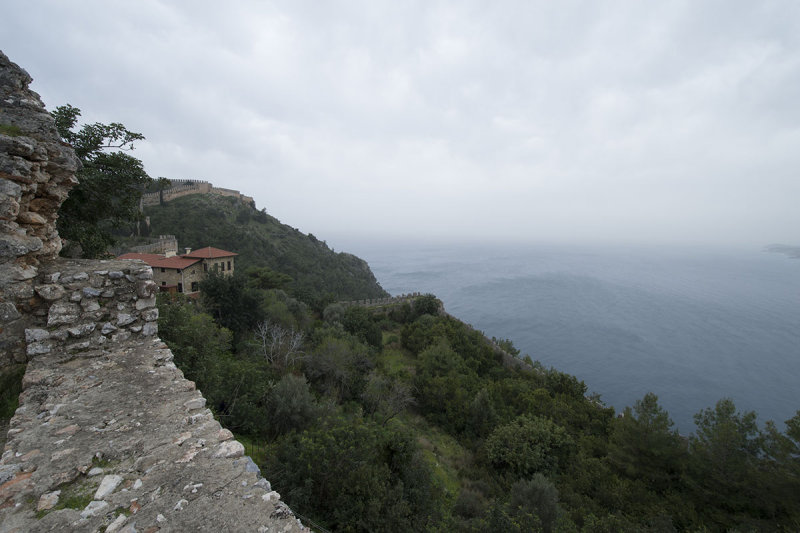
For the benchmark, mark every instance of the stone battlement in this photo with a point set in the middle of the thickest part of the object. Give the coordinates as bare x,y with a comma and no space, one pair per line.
379,302
188,187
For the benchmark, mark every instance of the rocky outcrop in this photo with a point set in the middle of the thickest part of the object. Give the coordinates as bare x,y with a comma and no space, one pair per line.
36,173
109,435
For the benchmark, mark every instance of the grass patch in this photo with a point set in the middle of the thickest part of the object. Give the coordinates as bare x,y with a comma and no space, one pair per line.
10,130
100,462
444,453
75,495
397,362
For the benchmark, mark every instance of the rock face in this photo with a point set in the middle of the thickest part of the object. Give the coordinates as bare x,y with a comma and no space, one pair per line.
36,173
109,435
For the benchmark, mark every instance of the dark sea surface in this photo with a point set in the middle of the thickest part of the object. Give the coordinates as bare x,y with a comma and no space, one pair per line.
692,325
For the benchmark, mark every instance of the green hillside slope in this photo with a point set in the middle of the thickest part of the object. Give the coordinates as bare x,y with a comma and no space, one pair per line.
261,240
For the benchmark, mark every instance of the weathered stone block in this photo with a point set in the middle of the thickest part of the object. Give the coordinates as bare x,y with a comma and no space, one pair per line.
230,449
144,303
82,330
123,319
8,312
38,348
50,292
9,208
78,346
63,313
150,329
9,188
17,245
90,306
195,403
91,292
107,486
48,500
29,217
36,335
93,509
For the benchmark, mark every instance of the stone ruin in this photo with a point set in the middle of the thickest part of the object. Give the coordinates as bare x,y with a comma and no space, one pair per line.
109,435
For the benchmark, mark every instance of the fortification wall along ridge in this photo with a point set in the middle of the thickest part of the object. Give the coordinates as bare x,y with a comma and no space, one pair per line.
109,435
189,187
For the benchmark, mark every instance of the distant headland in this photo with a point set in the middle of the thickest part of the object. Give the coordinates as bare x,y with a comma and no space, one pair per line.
785,249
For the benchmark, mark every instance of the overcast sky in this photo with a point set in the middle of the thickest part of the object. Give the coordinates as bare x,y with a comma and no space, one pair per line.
531,120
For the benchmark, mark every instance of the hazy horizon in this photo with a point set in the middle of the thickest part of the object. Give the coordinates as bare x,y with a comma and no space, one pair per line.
598,122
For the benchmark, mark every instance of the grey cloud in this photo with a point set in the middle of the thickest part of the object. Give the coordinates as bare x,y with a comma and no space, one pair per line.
531,120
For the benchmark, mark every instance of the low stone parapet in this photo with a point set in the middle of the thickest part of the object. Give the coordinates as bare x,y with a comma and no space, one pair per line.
88,304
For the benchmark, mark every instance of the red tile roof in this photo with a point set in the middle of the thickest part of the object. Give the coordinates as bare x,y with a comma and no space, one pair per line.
209,252
159,261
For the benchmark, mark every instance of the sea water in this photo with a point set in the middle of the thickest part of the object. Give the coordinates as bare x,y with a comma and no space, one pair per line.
692,325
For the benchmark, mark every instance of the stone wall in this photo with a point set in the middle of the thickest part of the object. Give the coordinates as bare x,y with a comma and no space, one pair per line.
109,435
164,244
189,187
378,302
176,191
36,173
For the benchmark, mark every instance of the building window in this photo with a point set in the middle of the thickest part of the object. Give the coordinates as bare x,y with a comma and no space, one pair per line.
163,270
179,271
163,282
205,267
195,286
229,265
180,287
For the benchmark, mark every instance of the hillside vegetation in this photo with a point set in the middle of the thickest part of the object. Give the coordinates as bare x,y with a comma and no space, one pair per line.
317,273
402,418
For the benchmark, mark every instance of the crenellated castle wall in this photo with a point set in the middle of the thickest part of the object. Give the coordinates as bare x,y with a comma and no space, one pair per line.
188,187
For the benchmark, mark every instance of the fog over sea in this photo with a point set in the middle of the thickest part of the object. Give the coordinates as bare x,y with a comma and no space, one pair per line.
692,325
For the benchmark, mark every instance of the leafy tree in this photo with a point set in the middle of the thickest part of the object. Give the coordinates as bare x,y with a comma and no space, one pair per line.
534,504
290,406
781,472
645,446
386,398
357,476
338,368
528,445
427,304
333,313
110,182
725,451
195,340
358,321
266,278
231,303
